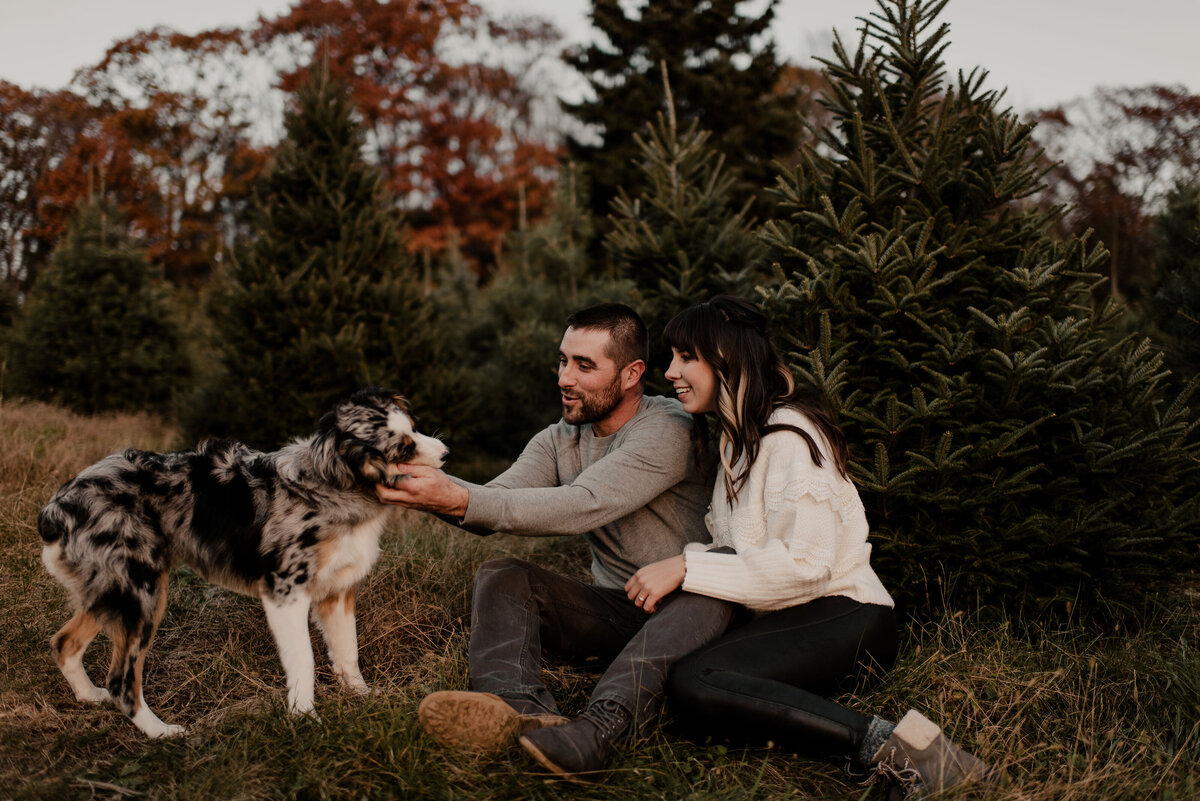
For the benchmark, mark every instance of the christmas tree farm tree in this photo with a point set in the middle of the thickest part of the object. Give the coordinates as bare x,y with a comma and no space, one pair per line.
1011,447
323,297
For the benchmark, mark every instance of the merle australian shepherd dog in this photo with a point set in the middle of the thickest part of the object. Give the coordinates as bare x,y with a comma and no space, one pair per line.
298,528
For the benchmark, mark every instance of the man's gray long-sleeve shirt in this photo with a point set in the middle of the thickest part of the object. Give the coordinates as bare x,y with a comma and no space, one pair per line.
636,496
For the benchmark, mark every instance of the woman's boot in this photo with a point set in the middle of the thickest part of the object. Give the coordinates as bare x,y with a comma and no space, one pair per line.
919,753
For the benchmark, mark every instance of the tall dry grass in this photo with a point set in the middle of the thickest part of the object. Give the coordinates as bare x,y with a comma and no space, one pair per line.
43,445
1068,711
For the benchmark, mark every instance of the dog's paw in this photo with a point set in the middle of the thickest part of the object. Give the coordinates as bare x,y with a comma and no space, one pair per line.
165,730
353,683
151,726
96,695
304,710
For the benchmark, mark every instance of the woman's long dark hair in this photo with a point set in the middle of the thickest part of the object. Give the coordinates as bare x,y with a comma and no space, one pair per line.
730,333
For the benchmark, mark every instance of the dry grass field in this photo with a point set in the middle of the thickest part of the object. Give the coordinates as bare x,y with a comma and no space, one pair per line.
1069,712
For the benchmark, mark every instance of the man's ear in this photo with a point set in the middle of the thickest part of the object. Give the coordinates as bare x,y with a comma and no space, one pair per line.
631,374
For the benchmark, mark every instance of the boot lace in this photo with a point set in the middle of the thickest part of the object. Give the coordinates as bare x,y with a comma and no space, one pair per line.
897,771
611,719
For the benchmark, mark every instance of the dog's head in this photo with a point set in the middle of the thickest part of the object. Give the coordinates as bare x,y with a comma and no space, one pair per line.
372,430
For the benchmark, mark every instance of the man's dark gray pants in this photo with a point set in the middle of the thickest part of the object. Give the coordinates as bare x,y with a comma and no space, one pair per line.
520,610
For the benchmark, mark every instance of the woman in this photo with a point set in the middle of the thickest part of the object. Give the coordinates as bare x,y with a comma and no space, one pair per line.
790,545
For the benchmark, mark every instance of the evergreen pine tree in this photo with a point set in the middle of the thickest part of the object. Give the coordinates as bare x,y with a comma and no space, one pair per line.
1007,445
1175,306
681,241
97,332
724,73
322,298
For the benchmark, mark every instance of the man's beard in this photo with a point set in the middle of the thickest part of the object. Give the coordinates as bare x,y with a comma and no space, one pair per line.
595,405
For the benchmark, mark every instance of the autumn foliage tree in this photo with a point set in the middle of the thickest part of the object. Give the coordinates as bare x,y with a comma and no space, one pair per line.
37,131
164,171
1117,156
161,156
450,131
173,129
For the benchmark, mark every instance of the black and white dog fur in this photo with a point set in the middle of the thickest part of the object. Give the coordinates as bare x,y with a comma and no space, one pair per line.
298,528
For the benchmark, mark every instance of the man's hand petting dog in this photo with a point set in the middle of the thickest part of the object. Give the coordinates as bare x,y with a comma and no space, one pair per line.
426,489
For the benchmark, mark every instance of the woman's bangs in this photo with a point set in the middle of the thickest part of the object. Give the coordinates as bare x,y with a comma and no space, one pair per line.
686,331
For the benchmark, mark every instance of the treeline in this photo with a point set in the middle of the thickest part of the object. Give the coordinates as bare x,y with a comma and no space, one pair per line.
1017,436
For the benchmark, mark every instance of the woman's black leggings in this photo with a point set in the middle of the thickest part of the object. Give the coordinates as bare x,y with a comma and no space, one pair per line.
771,678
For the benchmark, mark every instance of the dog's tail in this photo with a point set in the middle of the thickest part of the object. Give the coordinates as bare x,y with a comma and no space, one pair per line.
55,522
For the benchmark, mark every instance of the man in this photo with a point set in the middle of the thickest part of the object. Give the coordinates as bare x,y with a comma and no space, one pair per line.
620,470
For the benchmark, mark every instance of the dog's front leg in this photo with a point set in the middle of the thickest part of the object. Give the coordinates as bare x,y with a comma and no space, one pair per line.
288,619
336,617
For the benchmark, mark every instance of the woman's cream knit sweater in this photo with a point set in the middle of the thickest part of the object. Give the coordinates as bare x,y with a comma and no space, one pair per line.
799,531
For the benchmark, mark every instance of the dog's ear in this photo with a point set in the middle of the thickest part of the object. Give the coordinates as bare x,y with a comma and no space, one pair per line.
403,403
331,446
327,422
365,462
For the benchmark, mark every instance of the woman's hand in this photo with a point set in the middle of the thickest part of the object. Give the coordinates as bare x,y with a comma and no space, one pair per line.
655,581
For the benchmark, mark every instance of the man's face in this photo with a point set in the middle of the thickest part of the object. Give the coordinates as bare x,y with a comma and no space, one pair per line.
589,379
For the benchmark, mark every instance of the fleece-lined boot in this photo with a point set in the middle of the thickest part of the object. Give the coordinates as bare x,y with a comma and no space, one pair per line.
919,756
579,749
477,723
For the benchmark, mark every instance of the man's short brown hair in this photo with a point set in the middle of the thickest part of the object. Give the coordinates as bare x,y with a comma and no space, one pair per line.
627,333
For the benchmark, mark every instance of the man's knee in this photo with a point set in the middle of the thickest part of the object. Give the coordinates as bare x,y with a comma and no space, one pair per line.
701,615
506,575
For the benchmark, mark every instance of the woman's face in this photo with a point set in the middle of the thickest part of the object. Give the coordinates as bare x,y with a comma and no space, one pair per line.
695,382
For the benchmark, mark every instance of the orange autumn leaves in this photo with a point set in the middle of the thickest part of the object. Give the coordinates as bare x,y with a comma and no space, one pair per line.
167,128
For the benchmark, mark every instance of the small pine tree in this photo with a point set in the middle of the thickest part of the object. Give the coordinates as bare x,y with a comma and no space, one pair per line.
509,330
681,240
1175,306
1007,446
323,298
555,250
98,332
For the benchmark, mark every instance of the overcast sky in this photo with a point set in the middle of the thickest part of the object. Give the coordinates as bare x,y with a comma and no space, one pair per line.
1044,51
